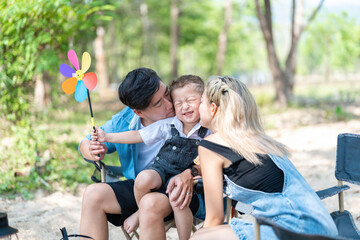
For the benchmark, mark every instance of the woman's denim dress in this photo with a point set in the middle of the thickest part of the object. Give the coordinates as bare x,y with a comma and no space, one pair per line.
297,207
176,155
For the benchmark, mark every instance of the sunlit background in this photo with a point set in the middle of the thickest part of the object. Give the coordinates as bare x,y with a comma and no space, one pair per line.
309,65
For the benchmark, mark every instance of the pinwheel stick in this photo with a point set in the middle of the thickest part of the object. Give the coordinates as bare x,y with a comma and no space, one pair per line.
102,170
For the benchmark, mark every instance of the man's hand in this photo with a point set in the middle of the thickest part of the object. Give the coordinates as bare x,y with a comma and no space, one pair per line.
91,149
97,150
180,189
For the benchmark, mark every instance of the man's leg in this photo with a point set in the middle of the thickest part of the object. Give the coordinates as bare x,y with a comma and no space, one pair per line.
98,199
153,208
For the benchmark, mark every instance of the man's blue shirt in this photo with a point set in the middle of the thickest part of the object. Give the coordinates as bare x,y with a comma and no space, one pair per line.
125,120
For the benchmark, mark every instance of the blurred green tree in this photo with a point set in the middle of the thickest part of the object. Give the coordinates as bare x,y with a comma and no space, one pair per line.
32,34
331,44
35,35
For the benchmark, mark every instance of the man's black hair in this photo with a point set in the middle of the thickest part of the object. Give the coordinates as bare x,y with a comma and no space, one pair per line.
138,88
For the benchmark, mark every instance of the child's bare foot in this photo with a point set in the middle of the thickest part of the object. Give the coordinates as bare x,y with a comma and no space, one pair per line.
132,222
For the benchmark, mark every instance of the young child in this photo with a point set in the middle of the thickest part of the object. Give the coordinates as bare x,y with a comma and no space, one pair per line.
183,133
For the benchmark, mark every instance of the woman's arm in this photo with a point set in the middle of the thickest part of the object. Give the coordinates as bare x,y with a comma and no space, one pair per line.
127,137
212,173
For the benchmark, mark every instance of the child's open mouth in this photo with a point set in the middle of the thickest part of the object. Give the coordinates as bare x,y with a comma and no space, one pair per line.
188,113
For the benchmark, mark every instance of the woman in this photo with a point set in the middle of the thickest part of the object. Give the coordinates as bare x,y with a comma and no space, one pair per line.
254,168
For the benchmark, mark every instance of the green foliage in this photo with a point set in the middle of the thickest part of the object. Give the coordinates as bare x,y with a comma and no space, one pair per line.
45,154
28,29
331,43
34,33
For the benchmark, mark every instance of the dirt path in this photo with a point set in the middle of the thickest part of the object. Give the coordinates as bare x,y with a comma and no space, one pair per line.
313,153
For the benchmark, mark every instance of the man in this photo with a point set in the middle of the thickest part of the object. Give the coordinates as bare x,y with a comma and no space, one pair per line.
148,100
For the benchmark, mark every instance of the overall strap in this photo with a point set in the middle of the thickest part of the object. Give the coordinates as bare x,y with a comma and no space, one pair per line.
202,132
174,131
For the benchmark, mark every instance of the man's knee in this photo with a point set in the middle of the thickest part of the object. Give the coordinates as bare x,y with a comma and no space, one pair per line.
94,194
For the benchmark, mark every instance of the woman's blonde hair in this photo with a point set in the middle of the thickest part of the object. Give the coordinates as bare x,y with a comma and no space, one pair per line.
237,120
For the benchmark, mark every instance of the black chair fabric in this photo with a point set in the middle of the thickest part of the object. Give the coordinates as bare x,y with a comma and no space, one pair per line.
112,173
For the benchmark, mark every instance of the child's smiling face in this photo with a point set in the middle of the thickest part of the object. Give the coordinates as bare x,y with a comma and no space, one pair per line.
186,102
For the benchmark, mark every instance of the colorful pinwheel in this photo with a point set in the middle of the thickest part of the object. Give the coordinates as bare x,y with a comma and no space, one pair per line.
78,81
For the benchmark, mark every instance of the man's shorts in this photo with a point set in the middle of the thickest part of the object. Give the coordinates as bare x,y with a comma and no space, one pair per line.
124,192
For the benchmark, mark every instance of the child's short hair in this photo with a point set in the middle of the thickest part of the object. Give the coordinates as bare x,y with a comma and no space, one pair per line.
187,79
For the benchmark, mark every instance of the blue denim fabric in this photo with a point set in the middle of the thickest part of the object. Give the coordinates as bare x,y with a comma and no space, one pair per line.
175,156
347,158
128,153
297,207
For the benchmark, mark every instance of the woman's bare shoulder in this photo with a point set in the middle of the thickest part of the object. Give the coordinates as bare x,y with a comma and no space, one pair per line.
215,138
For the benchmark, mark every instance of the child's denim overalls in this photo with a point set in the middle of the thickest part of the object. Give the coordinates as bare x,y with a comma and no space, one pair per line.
176,155
297,207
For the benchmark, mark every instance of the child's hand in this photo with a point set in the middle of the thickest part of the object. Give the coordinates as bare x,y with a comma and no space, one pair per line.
98,135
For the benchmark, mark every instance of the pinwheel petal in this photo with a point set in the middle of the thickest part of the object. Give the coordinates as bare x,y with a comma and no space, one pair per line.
69,85
73,59
80,92
66,70
85,62
90,80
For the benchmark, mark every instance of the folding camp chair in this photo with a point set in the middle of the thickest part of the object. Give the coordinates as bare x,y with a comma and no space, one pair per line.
347,169
108,173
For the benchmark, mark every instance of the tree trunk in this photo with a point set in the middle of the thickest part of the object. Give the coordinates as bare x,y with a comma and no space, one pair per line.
149,50
39,92
174,29
113,54
278,74
101,70
296,29
283,79
145,48
223,37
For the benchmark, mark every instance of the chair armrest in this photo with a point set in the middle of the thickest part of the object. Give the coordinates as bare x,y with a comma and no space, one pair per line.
331,191
95,163
112,173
